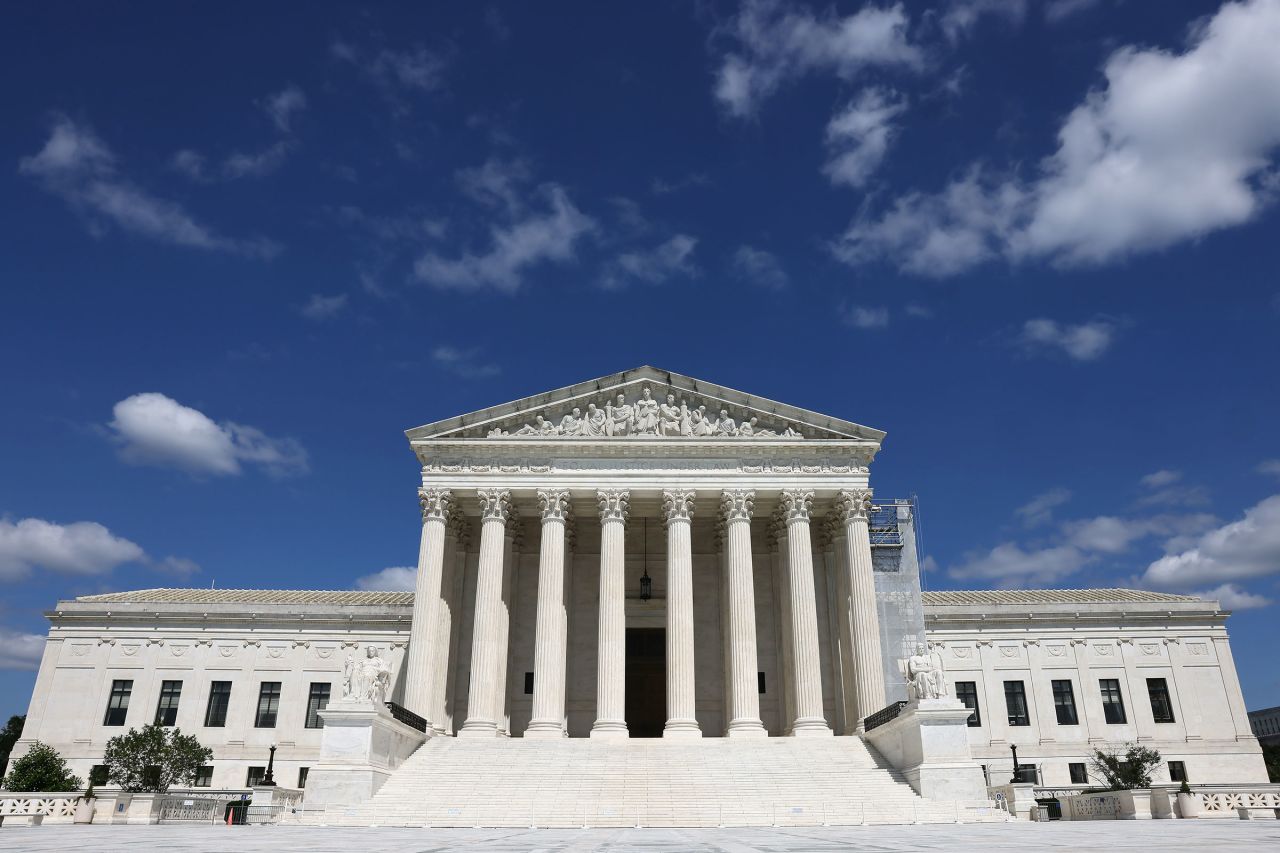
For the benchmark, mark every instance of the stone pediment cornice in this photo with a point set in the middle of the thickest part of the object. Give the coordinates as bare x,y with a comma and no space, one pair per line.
655,405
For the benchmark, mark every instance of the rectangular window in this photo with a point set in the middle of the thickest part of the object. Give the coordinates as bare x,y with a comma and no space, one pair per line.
1112,701
255,776
204,778
1015,702
1079,775
528,684
268,705
118,704
1064,702
302,777
167,707
1161,704
760,683
215,716
1177,771
967,692
98,774
317,701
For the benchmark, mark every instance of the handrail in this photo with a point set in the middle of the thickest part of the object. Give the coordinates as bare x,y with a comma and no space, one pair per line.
884,715
404,715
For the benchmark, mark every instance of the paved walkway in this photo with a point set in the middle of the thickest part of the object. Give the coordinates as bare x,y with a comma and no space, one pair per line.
1166,836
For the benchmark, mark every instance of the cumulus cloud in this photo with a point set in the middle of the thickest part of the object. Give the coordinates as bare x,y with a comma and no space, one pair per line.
79,548
283,106
153,429
774,42
1158,479
1269,466
415,69
1243,549
1081,342
961,16
1008,565
1233,597
672,258
859,135
319,307
1110,534
465,363
393,579
1173,146
78,167
20,650
865,316
759,267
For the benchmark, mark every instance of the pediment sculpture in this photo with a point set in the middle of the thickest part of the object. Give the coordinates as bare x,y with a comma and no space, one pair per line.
646,416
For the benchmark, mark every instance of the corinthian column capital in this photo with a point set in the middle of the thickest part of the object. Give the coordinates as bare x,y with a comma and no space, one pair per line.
853,505
554,504
495,503
615,504
737,504
796,505
436,504
677,505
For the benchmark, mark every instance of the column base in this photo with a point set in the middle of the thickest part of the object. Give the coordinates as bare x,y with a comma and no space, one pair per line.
746,728
545,731
812,727
478,728
610,730
682,729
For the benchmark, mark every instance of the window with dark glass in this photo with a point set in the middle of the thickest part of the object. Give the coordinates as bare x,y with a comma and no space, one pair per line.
268,705
98,774
302,777
1161,704
1112,701
967,692
255,776
1064,702
1079,775
1177,771
118,704
215,716
204,778
1015,702
167,707
317,701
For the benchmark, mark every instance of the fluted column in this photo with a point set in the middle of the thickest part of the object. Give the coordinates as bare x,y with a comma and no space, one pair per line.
611,657
495,507
448,622
551,633
842,607
810,719
744,690
782,585
510,569
419,675
677,512
853,507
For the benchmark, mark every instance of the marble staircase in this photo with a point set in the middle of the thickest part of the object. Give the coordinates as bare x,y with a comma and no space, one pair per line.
452,782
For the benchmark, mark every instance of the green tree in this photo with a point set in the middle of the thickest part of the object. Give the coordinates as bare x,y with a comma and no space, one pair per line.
8,737
153,758
1124,770
41,769
1271,755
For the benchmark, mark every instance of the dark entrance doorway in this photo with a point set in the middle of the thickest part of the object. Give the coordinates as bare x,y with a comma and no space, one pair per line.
646,681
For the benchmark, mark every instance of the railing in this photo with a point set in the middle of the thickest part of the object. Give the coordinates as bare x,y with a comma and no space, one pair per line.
883,525
59,808
884,715
407,717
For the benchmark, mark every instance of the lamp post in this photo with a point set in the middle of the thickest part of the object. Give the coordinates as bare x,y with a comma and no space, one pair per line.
269,781
1013,747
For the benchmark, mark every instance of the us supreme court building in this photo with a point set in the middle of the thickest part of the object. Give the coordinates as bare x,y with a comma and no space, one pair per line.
650,594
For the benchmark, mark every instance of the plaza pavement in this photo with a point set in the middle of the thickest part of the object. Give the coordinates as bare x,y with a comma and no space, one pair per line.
1165,836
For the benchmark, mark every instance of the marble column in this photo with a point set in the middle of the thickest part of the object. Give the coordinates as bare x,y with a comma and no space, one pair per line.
677,512
448,622
510,582
420,681
551,633
611,657
495,507
453,651
744,690
810,719
852,509
782,585
843,610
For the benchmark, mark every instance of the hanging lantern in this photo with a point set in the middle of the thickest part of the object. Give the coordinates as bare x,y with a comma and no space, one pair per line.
646,582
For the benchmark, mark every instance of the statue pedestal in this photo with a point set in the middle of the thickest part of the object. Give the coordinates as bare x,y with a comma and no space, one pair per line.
929,742
361,747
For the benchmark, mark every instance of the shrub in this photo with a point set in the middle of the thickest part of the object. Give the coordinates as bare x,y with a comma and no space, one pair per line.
153,759
41,769
1124,771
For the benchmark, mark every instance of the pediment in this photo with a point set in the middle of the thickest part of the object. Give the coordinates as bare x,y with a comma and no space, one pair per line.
655,404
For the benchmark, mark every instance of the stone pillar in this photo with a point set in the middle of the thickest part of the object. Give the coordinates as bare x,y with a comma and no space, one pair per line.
452,652
852,507
804,616
510,571
843,609
420,693
744,691
782,585
551,634
495,507
446,625
611,658
677,511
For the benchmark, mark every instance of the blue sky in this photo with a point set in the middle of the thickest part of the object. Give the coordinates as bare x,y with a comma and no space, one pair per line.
246,246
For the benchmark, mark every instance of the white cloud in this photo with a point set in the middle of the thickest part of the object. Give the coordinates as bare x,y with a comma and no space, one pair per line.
918,310
496,183
80,548
1059,10
320,307
759,267
1269,466
1243,549
1174,146
1233,597
153,429
181,567
77,166
1158,479
464,363
413,69
775,42
961,16
393,579
669,259
865,316
283,106
859,135
19,650
256,164
535,239
1082,342
1039,510
1176,496
1008,565
658,186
